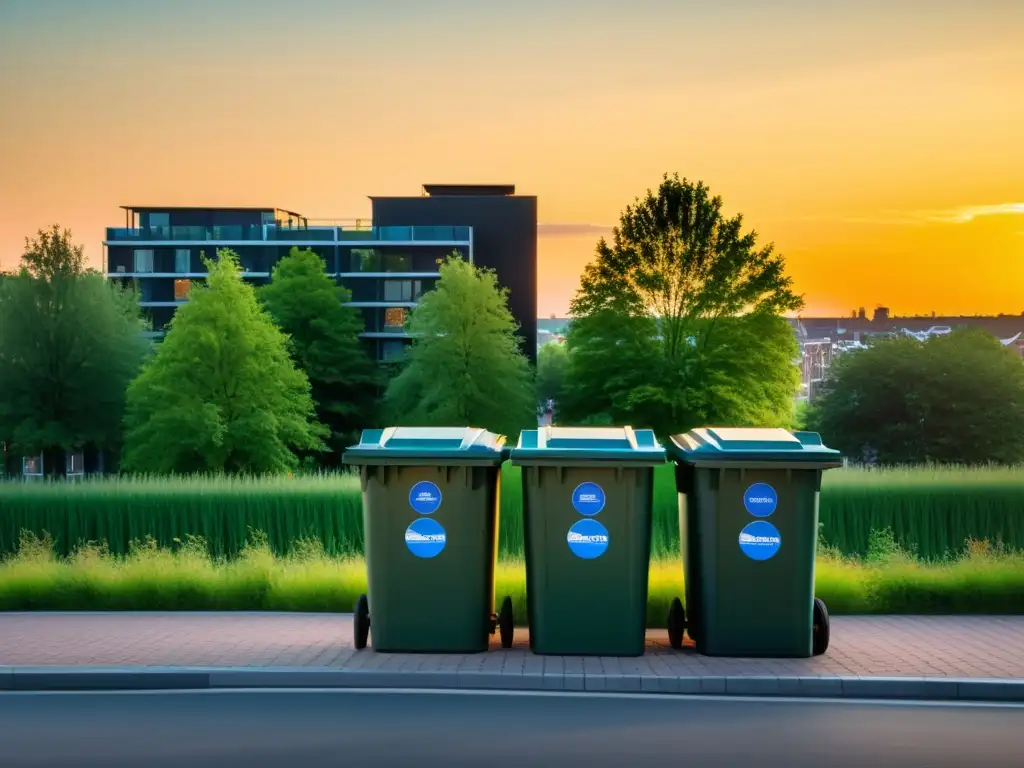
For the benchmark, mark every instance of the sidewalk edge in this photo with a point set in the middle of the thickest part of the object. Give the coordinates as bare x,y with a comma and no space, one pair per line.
205,678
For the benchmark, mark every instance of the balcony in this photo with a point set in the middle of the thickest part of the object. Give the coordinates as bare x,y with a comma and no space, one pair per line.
287,235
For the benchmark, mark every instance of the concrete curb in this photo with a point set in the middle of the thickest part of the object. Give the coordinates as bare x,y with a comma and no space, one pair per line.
203,678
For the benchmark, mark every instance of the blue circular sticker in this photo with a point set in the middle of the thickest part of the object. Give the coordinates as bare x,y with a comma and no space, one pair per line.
587,539
760,499
425,537
588,498
425,497
760,540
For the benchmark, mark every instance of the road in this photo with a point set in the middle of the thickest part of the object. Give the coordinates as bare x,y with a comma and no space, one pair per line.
339,728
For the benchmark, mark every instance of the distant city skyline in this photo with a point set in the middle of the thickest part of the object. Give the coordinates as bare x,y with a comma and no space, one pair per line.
876,144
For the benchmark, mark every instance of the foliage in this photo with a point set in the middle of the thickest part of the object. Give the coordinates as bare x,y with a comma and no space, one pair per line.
52,254
952,399
552,364
930,511
465,367
221,394
70,343
185,577
694,305
324,340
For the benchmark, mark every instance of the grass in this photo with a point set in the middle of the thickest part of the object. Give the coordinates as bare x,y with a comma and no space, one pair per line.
986,579
931,511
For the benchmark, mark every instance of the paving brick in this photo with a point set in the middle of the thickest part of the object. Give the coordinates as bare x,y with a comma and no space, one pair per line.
941,656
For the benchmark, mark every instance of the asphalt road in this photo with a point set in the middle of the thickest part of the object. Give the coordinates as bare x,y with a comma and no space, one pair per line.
296,729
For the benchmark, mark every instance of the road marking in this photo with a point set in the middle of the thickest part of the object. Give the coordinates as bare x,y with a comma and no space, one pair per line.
679,697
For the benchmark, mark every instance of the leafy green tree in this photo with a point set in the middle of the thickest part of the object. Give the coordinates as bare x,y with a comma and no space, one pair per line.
464,367
678,322
221,394
324,340
956,399
612,354
70,343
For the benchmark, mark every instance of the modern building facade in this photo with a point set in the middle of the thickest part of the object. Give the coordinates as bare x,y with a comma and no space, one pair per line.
504,229
386,268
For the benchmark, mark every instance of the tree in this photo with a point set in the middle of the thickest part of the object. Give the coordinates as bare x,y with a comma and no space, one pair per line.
612,353
221,394
952,399
70,343
53,254
552,362
464,367
324,341
694,305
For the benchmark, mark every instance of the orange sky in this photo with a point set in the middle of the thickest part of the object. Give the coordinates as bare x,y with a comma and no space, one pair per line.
879,146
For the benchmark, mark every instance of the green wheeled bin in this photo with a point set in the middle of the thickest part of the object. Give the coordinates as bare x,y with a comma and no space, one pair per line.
748,525
430,524
587,506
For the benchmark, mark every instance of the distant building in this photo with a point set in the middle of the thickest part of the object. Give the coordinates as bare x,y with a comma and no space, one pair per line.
387,266
504,229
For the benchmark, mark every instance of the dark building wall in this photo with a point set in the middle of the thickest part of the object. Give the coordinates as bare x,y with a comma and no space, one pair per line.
504,239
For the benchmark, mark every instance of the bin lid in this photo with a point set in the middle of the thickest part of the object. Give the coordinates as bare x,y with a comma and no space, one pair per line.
573,445
427,445
744,445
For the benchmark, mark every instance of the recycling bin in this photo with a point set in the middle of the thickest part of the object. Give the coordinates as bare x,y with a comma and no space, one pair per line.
430,525
587,506
748,525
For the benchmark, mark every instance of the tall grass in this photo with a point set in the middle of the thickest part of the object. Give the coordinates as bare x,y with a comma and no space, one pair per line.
986,579
931,511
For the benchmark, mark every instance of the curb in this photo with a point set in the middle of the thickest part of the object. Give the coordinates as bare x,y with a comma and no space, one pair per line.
206,678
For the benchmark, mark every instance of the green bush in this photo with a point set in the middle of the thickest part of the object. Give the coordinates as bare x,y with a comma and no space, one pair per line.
930,512
987,579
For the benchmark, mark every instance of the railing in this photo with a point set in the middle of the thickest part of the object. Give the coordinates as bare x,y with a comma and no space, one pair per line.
259,233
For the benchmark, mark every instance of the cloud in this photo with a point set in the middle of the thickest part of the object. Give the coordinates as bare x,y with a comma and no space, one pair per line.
969,213
962,215
572,230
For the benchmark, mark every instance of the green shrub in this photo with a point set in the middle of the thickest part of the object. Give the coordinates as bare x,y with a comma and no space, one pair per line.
930,512
987,579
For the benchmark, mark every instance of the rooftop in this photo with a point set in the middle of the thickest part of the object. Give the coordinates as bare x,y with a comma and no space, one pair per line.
459,190
162,208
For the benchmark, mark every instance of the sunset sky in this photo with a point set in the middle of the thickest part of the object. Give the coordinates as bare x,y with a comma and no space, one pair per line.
879,145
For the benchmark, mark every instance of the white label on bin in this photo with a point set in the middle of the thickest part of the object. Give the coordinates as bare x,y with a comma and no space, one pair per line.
587,539
588,498
425,537
425,497
760,540
760,499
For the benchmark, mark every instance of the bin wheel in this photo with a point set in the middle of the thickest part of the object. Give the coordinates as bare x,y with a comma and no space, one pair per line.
821,628
676,623
506,623
361,622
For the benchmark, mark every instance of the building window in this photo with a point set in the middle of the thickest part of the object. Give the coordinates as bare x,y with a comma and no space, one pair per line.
143,260
391,351
397,262
74,463
182,260
182,288
402,290
365,260
32,466
394,320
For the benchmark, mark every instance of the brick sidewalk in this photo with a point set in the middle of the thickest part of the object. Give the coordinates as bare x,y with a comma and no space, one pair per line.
888,646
